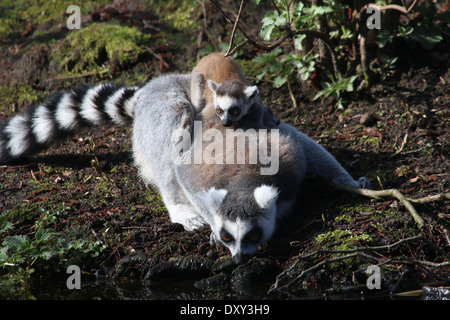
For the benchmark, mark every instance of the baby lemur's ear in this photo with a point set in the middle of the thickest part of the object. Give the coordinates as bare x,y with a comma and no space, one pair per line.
212,85
251,92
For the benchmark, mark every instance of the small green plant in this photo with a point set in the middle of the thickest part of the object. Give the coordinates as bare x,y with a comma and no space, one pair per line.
302,59
42,251
335,88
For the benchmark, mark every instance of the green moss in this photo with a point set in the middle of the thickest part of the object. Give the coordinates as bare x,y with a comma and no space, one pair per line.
16,95
16,16
342,239
249,67
177,13
99,48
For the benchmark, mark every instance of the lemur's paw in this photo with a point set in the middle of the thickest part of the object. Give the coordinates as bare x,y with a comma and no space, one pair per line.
364,183
185,215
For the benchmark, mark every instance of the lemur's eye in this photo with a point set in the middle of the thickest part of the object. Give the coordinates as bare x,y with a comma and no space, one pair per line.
226,237
254,236
235,111
219,111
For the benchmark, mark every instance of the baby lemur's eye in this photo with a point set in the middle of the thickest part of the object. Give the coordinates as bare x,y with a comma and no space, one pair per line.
219,111
235,111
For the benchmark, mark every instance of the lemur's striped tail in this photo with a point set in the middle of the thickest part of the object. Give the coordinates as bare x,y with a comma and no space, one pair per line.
63,115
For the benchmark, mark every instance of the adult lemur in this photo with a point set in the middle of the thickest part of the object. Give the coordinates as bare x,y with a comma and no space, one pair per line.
239,204
228,94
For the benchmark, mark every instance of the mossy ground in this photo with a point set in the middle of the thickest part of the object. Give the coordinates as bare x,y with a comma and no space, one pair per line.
87,196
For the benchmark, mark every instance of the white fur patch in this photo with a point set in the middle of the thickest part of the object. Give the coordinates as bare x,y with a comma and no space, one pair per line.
65,114
42,124
89,110
225,102
17,129
265,196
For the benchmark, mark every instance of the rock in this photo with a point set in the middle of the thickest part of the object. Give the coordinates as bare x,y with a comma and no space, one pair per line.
185,268
132,266
212,283
368,119
257,270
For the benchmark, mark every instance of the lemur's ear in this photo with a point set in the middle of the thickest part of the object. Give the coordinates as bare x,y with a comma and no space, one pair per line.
213,198
251,92
265,196
212,85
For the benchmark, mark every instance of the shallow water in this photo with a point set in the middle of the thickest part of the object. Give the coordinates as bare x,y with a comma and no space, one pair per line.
129,289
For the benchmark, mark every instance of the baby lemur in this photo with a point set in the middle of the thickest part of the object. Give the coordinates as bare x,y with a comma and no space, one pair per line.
228,94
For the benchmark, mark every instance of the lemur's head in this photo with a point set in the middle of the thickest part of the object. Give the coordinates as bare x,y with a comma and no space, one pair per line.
239,224
232,100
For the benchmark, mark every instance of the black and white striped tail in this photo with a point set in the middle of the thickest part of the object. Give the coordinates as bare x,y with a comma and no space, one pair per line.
63,115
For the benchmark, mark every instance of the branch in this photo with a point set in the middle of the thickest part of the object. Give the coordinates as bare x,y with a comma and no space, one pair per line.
392,7
233,32
390,193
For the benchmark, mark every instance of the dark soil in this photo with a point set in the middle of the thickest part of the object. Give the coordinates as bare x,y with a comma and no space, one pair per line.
92,181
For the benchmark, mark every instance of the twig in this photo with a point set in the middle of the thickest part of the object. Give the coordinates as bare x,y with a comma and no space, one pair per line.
236,47
233,32
291,93
392,193
405,141
159,57
205,26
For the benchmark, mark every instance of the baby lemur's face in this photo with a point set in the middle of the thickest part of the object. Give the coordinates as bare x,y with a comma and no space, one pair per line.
232,100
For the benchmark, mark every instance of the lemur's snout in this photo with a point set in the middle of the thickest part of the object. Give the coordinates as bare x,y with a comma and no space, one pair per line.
241,258
227,123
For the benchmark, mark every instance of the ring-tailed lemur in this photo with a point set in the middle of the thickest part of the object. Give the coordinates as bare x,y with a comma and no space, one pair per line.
227,94
239,204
